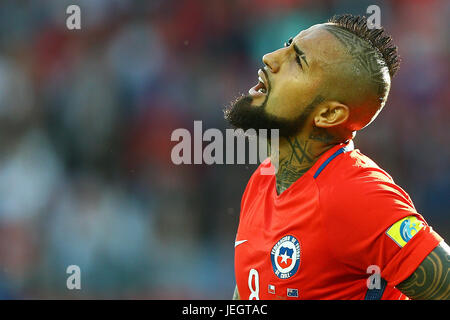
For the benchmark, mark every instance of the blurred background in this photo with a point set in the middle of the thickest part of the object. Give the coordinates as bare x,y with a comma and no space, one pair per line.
85,123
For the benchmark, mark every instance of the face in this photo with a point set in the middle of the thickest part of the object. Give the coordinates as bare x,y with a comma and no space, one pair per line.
288,86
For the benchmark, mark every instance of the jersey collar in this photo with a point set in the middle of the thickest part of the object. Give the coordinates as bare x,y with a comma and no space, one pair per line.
329,155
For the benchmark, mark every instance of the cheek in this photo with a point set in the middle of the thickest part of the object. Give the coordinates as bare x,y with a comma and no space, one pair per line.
288,100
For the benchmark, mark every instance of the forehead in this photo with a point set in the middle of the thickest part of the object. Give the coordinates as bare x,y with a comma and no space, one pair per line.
319,44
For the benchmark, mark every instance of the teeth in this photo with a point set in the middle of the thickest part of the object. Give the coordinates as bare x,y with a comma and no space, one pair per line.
262,82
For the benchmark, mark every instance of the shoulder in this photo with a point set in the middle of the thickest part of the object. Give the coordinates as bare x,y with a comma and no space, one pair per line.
356,174
356,189
364,211
352,166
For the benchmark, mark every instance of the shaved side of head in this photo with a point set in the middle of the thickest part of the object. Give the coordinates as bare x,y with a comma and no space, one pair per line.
362,78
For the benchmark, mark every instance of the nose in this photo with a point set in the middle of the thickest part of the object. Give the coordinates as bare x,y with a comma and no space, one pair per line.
272,60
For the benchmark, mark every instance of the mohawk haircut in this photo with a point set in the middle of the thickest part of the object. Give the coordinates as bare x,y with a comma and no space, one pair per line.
377,38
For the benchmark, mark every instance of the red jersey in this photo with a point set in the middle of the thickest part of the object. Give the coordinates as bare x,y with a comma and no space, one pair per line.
343,230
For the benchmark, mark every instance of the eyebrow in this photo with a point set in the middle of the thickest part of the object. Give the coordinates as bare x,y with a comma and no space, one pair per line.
300,53
297,50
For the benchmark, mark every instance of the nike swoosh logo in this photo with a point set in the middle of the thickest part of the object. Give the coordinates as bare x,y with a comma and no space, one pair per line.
236,243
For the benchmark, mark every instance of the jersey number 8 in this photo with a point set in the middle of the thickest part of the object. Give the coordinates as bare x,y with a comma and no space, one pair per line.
254,290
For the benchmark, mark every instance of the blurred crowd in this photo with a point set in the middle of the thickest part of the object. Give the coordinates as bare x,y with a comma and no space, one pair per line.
85,122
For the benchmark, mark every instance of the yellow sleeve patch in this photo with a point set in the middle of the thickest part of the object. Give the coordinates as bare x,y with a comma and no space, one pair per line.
403,230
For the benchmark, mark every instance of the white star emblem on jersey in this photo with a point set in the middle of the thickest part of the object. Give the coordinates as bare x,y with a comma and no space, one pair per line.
284,257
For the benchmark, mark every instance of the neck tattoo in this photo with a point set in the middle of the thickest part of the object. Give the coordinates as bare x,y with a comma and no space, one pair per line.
297,155
294,162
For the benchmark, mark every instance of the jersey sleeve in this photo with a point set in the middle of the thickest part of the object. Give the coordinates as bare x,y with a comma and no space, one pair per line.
372,221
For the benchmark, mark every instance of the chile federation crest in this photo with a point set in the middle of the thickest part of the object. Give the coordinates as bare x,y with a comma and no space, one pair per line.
285,257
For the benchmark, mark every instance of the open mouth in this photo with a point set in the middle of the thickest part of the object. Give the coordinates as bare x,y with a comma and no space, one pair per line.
261,88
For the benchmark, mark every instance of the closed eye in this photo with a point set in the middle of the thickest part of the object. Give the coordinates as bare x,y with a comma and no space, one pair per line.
299,53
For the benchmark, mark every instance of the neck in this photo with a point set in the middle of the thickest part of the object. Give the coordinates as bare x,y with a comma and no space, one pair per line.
297,154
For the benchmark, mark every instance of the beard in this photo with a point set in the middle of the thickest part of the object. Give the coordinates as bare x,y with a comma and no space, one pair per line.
242,115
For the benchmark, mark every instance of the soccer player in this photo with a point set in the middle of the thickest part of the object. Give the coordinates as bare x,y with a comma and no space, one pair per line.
329,223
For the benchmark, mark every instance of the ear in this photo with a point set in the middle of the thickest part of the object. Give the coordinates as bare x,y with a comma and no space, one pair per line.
331,114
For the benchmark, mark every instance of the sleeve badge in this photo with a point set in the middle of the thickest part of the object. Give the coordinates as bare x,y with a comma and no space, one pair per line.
403,230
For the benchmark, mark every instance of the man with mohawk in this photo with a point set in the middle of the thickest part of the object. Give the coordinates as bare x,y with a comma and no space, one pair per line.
329,223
